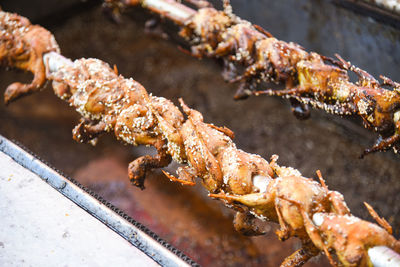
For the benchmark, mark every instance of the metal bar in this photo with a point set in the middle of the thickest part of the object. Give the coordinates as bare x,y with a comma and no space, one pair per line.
135,233
169,9
382,256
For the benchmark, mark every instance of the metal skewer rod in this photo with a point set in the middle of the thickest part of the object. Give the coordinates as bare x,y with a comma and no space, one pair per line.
169,9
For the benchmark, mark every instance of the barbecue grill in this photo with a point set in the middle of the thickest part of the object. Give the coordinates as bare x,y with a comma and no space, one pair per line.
185,217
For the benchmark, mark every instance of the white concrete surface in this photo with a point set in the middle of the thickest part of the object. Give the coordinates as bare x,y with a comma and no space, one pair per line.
40,227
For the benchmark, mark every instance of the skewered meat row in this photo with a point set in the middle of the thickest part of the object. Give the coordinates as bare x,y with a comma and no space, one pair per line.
247,183
252,57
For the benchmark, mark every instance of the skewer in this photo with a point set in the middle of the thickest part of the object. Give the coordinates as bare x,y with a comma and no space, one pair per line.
379,255
249,184
169,9
382,256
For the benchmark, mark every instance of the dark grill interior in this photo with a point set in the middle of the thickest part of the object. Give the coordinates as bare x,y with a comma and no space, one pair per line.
185,216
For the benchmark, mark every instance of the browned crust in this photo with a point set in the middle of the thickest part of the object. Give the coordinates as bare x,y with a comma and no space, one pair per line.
22,45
